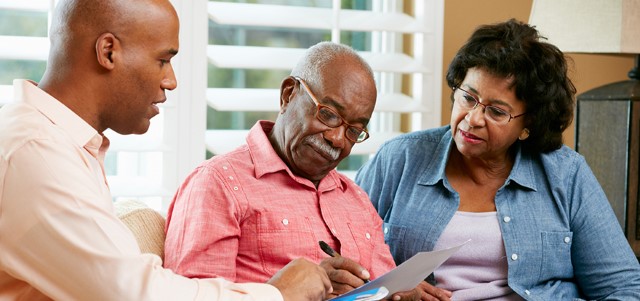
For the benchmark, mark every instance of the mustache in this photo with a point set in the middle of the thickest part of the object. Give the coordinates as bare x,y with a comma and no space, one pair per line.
322,146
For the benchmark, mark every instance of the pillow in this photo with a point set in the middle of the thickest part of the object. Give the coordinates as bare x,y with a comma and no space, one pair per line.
146,224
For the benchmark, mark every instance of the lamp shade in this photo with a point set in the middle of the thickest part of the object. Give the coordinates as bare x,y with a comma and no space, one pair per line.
589,26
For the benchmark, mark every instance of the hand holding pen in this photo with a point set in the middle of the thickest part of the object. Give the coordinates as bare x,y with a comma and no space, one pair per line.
345,274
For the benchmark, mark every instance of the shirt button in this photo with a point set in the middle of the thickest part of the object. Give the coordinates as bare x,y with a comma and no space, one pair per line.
567,239
368,235
527,292
514,256
333,230
506,219
224,167
386,230
230,178
285,221
235,187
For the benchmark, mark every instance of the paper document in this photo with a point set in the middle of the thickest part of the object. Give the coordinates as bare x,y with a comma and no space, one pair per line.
404,277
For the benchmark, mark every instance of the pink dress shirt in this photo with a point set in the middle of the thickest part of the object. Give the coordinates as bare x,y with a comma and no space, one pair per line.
59,236
244,215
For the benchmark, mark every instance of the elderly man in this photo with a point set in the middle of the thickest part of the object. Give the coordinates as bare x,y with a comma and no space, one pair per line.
60,239
245,214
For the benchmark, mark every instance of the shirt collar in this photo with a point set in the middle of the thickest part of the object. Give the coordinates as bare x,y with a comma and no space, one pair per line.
435,171
267,161
79,130
521,173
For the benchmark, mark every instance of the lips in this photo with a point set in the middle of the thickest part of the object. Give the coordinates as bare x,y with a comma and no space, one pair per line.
469,137
155,107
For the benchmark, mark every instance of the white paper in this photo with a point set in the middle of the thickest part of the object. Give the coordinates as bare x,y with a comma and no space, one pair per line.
407,275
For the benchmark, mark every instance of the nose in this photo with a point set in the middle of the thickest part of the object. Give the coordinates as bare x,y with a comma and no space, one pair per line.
169,81
475,116
336,136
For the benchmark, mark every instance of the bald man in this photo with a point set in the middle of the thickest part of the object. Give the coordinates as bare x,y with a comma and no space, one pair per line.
109,67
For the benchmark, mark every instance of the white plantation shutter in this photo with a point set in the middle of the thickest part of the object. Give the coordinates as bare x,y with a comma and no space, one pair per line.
151,166
224,85
382,21
28,48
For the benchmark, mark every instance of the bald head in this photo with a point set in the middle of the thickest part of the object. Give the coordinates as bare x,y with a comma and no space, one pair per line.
110,60
324,54
76,25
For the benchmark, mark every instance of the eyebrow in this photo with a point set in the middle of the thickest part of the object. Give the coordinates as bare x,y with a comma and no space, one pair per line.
171,51
340,108
492,101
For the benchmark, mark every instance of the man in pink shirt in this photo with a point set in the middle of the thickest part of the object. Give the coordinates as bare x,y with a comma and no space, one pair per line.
245,214
109,67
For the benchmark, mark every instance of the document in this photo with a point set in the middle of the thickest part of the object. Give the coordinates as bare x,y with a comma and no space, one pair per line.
404,277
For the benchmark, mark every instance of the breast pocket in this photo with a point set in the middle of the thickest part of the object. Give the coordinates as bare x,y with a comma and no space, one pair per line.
282,238
394,236
363,235
556,255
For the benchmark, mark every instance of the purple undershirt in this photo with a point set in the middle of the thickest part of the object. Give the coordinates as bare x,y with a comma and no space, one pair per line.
478,271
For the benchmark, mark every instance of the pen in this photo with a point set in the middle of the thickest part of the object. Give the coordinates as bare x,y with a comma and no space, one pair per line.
331,252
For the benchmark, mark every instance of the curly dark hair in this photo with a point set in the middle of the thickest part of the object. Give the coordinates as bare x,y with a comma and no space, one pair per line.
539,71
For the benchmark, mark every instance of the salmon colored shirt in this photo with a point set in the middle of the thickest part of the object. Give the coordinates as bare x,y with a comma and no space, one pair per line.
59,236
244,215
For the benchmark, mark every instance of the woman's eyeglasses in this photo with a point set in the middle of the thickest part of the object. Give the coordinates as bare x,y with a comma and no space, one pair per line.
469,102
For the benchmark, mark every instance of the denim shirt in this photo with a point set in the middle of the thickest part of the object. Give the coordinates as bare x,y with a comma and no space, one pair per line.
561,237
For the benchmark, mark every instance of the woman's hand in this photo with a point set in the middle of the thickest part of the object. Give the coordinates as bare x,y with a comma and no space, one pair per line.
425,292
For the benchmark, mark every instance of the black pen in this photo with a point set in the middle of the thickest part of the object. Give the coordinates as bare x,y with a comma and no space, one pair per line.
331,252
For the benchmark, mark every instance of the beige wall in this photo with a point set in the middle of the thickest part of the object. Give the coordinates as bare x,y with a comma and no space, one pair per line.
461,17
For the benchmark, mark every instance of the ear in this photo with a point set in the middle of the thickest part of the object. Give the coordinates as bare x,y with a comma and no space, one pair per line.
107,47
524,134
286,92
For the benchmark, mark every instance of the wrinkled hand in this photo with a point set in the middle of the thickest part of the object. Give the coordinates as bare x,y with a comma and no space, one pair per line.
302,280
345,274
425,292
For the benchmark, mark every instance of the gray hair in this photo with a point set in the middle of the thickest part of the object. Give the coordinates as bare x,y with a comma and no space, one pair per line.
320,55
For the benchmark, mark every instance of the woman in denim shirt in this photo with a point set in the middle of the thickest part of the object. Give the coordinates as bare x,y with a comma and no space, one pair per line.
540,225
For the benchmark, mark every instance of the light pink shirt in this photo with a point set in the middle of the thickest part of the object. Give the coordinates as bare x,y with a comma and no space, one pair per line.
478,271
59,236
244,215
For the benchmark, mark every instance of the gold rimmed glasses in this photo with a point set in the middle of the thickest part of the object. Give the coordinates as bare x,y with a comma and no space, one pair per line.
469,101
332,119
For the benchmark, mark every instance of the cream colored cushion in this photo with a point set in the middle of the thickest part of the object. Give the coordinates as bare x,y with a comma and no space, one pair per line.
146,224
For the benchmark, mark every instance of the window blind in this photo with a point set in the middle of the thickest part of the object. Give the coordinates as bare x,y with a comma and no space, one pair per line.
403,50
233,55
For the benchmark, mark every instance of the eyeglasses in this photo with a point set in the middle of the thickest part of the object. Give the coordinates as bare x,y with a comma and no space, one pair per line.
494,114
332,119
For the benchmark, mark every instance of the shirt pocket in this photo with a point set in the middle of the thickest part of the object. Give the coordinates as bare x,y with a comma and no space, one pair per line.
282,238
394,236
556,255
363,237
393,233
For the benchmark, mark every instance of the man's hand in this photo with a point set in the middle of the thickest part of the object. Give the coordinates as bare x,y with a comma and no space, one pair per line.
345,274
302,280
425,292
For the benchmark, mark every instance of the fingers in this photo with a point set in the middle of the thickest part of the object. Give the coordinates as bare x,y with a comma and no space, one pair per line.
413,295
432,293
347,265
424,292
302,280
345,274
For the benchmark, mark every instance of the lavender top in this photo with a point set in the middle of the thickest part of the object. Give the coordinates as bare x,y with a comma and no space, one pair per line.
479,269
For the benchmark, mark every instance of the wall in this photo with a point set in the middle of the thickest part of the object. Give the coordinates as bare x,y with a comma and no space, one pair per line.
461,17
